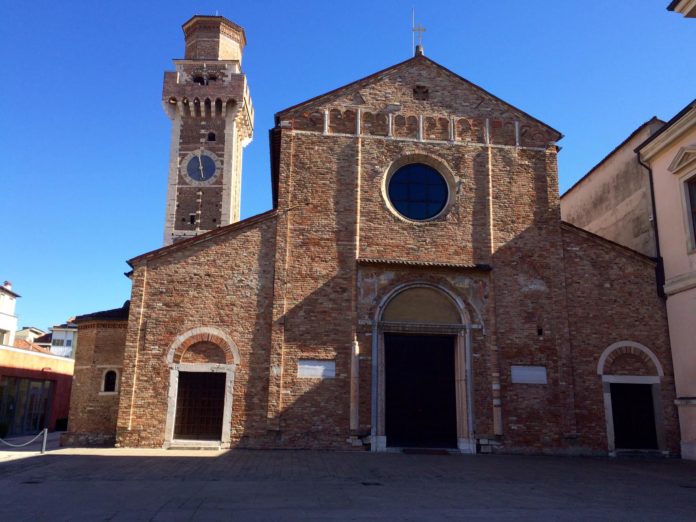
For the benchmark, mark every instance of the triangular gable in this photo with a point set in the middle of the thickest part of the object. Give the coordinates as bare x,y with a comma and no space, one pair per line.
206,236
356,90
685,158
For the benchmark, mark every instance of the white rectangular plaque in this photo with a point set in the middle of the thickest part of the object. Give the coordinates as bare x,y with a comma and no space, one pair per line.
315,369
529,374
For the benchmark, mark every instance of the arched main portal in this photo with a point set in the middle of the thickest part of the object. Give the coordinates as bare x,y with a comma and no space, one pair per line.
202,365
421,371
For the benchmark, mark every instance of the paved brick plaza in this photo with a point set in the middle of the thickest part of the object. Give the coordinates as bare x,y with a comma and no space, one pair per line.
281,485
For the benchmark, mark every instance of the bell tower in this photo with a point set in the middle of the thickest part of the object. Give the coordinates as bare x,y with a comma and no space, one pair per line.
207,99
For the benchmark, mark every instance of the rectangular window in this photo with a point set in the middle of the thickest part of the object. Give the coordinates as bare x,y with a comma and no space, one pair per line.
68,342
691,190
57,342
4,337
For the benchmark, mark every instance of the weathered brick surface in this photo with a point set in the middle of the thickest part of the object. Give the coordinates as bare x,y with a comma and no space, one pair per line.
225,281
612,297
305,281
204,352
92,419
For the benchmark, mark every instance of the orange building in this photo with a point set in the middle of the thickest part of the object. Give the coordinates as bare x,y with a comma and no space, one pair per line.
34,384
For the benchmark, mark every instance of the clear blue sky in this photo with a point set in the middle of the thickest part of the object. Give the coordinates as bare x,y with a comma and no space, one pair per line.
85,141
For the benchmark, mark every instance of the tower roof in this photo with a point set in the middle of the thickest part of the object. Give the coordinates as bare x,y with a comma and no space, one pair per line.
213,38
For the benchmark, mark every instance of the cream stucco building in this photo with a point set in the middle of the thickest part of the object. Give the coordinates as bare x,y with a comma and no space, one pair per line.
671,156
643,196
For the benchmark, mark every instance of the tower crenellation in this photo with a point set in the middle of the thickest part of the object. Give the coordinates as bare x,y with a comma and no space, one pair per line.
207,99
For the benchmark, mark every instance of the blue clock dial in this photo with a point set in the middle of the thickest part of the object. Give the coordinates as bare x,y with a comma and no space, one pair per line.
201,168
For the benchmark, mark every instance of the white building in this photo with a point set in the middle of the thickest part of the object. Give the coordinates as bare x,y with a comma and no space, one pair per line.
64,339
29,333
8,319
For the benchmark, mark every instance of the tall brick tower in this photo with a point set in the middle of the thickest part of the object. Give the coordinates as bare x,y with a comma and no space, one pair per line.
207,99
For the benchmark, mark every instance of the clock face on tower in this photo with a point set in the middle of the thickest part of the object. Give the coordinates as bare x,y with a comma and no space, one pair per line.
200,167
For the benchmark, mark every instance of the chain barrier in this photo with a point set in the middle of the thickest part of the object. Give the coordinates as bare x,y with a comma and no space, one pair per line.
43,432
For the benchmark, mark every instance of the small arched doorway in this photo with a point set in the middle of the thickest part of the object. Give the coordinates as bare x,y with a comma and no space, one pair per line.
202,366
631,375
200,397
422,398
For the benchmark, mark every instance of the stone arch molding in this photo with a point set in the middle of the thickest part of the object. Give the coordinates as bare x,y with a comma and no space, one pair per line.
210,334
463,363
457,302
631,347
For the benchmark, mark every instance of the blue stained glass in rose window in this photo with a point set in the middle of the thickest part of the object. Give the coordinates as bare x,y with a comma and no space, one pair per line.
418,191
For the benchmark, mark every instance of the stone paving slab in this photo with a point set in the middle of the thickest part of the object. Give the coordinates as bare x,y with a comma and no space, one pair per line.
159,485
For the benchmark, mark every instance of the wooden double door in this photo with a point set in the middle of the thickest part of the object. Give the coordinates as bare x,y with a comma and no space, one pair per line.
200,406
420,396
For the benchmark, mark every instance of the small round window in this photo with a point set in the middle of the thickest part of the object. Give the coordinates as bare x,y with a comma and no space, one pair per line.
418,191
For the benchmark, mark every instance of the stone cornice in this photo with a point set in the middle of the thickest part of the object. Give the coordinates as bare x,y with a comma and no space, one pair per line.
88,325
422,264
35,354
680,283
671,132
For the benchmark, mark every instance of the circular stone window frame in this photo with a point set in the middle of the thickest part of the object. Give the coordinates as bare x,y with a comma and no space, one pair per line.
183,164
440,167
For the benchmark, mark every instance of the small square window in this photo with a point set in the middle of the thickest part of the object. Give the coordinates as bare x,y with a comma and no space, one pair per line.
420,92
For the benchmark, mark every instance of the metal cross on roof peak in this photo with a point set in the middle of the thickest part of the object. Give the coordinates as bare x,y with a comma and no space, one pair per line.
419,30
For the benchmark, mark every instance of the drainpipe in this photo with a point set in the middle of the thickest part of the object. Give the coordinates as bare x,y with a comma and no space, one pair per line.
660,267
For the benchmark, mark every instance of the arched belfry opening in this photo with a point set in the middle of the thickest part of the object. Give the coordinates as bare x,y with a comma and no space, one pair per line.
421,394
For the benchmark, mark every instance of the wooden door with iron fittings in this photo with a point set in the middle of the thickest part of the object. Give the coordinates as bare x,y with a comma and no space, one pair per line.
199,406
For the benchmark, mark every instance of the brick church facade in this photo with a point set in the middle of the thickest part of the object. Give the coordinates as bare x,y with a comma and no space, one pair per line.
413,285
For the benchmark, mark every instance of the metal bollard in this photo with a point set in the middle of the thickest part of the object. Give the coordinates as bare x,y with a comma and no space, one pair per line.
45,438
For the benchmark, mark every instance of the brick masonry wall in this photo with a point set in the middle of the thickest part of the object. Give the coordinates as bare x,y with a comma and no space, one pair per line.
525,196
529,300
205,109
193,136
93,413
316,265
226,282
612,297
204,352
289,287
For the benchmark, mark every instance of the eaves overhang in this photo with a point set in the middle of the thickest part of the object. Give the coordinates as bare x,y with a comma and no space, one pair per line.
685,7
423,264
680,124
